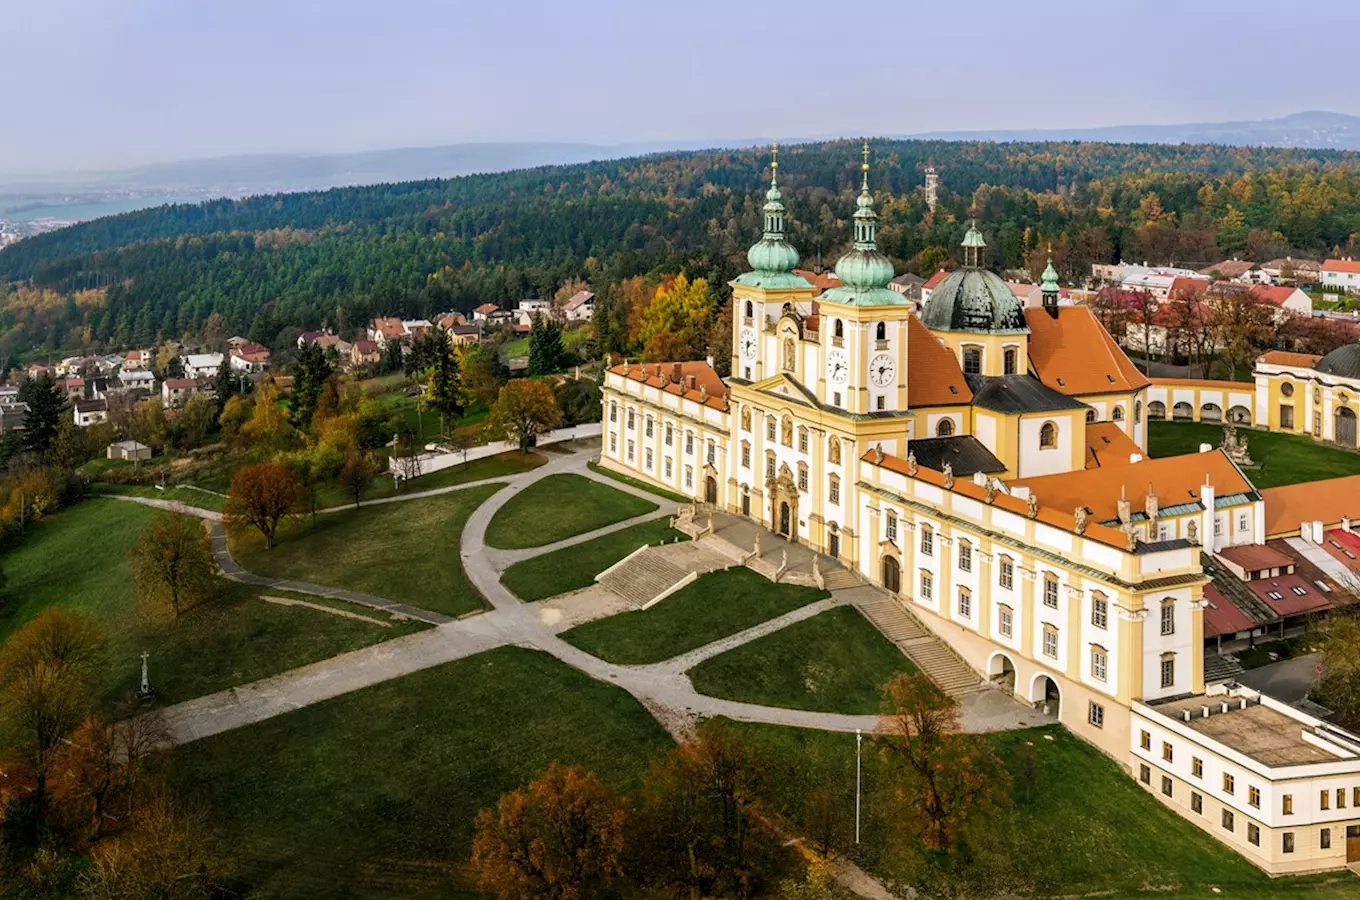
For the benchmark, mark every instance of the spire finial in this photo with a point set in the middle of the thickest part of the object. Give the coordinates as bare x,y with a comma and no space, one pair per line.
864,167
774,161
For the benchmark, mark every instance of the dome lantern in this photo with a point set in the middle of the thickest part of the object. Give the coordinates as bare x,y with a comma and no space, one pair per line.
773,258
864,271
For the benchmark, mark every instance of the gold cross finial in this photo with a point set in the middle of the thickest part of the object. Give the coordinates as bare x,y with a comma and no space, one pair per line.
774,161
1050,248
865,166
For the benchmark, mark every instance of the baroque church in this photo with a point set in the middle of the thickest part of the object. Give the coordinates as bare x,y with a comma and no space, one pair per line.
982,462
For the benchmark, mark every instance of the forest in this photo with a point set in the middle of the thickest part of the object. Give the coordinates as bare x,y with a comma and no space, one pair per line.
337,257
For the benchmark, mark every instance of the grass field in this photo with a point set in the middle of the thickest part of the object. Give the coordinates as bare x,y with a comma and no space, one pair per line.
1078,827
237,639
559,507
173,493
833,662
575,567
1280,458
633,482
401,551
374,794
717,605
499,466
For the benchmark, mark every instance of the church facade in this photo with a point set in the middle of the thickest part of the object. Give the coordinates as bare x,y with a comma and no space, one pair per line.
982,462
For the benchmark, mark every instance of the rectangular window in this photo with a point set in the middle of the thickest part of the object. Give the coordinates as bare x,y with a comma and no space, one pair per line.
1325,800
1095,714
965,556
1227,820
1287,805
927,585
1287,842
1325,839
1196,767
689,476
712,453
613,412
613,443
1099,663
802,477
1228,783
649,458
1340,798
630,451
1286,416
1007,577
835,490
882,402
689,444
1196,803
769,428
1355,796
745,456
1167,752
836,399
1168,618
1100,612
1168,672
1253,796
965,603
1253,834
668,468
890,529
670,435
1007,621
1166,786
802,441
1145,740
927,542
769,466
1050,592
630,420
1145,774
1051,643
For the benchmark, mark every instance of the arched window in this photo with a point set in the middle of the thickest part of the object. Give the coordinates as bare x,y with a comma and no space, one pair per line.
750,310
1009,361
1090,417
881,331
945,428
839,329
1137,411
972,361
1118,414
1048,436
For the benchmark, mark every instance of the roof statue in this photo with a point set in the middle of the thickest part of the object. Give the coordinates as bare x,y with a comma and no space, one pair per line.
972,298
864,271
773,258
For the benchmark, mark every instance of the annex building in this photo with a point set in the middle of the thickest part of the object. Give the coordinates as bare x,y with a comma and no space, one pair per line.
984,463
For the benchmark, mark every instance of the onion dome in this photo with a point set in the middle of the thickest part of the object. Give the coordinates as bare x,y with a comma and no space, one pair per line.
864,271
972,298
1344,362
773,258
1049,282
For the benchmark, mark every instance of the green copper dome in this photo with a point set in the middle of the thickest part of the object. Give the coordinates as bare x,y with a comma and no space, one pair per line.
773,258
1049,284
864,271
972,298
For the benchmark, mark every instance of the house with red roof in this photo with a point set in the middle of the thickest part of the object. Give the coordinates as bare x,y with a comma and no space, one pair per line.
1340,275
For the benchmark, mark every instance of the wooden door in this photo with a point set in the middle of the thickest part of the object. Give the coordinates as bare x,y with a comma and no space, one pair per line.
1352,843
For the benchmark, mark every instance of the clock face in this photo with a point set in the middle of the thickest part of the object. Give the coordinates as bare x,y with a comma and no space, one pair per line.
882,370
748,343
837,366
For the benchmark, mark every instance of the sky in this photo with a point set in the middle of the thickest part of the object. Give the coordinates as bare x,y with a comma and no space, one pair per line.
105,84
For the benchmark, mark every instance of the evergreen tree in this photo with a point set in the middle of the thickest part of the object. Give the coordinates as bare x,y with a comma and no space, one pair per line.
225,384
444,392
545,346
310,373
46,405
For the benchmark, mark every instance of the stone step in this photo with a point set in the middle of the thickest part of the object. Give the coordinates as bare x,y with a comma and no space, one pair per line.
840,580
644,577
926,651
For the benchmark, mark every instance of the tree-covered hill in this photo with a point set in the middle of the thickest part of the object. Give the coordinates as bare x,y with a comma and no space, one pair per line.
339,256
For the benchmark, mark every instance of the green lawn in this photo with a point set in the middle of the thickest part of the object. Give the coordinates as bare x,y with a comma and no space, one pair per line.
174,493
834,662
1280,458
559,507
401,551
633,482
716,605
575,567
1078,827
238,639
374,794
501,465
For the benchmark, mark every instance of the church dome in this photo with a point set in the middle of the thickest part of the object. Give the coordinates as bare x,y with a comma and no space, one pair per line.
864,271
973,299
773,258
772,255
1343,361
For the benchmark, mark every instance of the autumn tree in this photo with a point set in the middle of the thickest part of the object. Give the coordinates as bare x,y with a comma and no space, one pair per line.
524,410
1340,687
267,425
195,421
47,671
103,765
948,784
261,496
1243,324
558,837
149,424
358,471
236,412
483,374
675,325
173,565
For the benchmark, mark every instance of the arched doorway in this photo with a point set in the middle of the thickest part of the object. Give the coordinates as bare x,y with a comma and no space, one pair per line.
1345,427
1182,412
1156,410
1239,415
892,574
1044,694
710,489
1001,671
1211,412
745,501
785,514
833,541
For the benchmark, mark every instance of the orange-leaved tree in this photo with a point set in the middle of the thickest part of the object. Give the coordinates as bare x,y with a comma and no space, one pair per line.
261,496
524,410
172,563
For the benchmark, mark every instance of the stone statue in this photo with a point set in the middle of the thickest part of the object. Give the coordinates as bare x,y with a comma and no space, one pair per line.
1192,532
1131,537
1236,447
949,476
746,418
756,549
989,490
788,354
878,455
1079,519
787,433
834,451
911,462
703,394
1033,507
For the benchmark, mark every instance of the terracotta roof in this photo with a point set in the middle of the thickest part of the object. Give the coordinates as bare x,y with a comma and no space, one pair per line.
1289,595
1276,296
1174,479
1074,354
1255,557
1108,445
1184,288
965,486
1286,358
364,347
1344,547
934,377
389,326
1341,265
578,299
934,280
821,281
1221,616
179,384
677,377
1229,268
487,308
1311,501
1246,386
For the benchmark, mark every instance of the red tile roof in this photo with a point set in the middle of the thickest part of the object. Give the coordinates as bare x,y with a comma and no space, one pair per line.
487,308
1074,354
1229,268
1341,265
1286,358
1256,557
1276,296
1296,595
1221,616
1311,501
1108,445
933,374
934,280
819,280
674,378
1344,547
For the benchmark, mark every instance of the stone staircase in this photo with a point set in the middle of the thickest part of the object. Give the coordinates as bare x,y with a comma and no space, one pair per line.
931,655
644,576
841,580
1218,669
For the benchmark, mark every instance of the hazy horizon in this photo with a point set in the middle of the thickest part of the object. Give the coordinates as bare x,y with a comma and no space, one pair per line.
102,87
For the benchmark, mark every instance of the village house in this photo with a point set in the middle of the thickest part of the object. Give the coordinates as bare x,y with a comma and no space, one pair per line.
202,365
89,412
386,330
249,358
463,335
128,451
365,353
137,380
484,312
175,392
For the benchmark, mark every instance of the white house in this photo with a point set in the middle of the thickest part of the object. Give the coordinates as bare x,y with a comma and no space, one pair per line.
1340,274
202,365
88,412
137,380
580,308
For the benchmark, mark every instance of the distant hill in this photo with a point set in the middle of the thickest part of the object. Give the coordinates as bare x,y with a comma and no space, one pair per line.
1305,130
